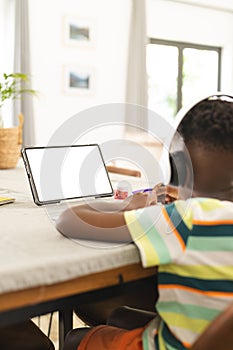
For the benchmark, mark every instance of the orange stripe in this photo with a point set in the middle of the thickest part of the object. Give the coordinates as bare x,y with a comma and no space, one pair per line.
198,291
213,223
187,345
178,236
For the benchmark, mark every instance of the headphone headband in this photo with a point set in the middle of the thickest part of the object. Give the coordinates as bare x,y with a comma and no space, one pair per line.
166,155
221,97
184,110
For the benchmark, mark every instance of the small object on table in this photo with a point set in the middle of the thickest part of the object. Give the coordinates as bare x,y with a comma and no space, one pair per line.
121,192
6,200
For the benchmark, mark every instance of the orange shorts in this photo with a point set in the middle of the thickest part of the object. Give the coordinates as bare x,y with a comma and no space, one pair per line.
112,338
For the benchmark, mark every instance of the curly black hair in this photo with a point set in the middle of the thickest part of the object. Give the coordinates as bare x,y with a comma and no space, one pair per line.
209,124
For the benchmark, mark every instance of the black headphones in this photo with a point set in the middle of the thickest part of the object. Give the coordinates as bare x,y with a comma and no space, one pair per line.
177,161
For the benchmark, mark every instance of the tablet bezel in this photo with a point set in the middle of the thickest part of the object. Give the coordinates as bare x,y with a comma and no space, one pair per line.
32,184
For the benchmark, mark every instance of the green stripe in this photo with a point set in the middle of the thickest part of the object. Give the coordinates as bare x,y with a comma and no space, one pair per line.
155,239
170,347
224,244
145,341
221,230
148,254
165,336
188,310
177,221
224,286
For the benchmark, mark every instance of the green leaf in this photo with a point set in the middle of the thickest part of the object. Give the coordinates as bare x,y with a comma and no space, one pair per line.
13,86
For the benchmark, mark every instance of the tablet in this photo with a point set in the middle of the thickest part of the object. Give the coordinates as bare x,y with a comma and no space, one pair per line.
58,173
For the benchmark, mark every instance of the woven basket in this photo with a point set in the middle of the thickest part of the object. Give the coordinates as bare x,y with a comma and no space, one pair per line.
10,145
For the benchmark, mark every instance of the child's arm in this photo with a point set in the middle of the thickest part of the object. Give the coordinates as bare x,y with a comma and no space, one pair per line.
88,221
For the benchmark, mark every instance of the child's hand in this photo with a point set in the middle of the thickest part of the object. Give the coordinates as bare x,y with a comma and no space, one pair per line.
172,194
166,194
140,200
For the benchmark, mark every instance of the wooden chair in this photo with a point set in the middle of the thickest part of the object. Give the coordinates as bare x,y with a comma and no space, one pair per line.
123,171
217,336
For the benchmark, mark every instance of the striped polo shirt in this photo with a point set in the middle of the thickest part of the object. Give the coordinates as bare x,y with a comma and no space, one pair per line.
192,243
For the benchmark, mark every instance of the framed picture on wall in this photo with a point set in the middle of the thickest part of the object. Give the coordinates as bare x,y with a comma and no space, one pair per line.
78,79
79,31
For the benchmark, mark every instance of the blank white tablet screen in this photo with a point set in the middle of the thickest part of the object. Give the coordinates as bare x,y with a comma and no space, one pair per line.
68,172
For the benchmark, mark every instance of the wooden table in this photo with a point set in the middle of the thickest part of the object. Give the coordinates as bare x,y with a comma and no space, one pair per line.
41,271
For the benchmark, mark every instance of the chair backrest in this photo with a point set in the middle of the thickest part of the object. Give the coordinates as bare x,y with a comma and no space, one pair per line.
219,334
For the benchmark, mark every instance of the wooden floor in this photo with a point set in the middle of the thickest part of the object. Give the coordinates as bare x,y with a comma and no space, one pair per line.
44,321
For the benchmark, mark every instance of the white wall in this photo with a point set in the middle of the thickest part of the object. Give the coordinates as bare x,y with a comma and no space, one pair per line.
107,57
166,20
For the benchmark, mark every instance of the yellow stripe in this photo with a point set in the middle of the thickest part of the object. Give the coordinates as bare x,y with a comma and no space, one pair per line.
197,271
162,345
182,321
139,236
176,233
186,212
135,228
150,254
210,204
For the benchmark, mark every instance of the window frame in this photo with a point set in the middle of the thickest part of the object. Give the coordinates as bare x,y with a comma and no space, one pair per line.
184,45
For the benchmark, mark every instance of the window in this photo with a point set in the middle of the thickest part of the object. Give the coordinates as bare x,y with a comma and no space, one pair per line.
179,72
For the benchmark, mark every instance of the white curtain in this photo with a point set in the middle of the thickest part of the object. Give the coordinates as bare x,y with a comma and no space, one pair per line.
22,65
6,35
7,51
136,88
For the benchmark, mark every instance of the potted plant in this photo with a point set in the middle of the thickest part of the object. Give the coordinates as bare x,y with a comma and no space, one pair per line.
12,86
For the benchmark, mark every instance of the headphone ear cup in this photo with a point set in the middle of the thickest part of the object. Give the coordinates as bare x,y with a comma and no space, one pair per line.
178,168
174,174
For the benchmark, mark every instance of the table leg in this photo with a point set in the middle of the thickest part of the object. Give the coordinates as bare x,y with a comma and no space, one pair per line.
65,324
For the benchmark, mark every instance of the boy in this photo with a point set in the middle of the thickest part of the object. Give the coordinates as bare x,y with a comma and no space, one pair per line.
190,241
